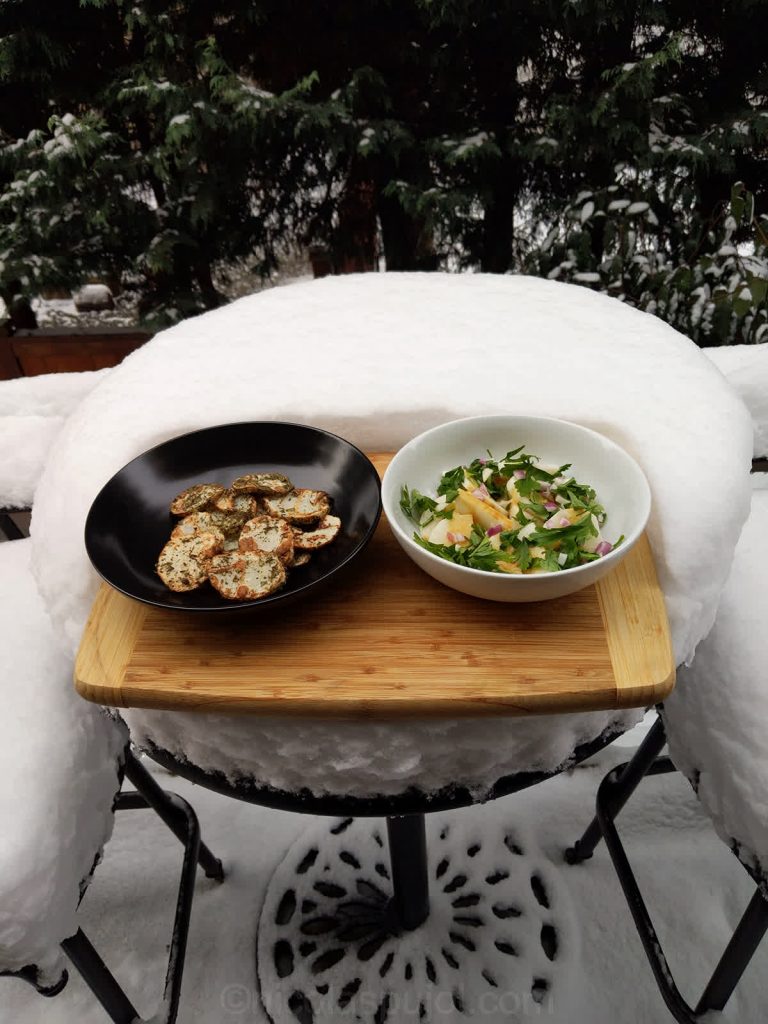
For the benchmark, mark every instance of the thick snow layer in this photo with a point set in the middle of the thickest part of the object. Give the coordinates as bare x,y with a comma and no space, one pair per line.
746,367
32,412
378,358
58,778
24,445
48,394
369,756
94,294
717,717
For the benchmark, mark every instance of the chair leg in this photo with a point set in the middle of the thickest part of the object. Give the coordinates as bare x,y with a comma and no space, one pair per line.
739,951
9,527
612,795
99,979
622,789
162,803
32,976
182,821
606,812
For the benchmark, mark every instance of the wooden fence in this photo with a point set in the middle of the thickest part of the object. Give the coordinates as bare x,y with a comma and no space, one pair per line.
64,350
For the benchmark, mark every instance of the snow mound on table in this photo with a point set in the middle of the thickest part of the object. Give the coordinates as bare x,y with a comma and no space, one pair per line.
746,367
48,394
378,358
716,717
58,778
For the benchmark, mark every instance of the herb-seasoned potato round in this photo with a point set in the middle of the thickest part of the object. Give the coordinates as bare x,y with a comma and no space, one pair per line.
246,575
195,498
231,501
263,483
300,507
227,523
320,535
183,562
270,535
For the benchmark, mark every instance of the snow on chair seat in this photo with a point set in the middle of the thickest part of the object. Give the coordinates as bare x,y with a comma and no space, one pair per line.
61,765
714,723
746,369
32,413
58,779
717,718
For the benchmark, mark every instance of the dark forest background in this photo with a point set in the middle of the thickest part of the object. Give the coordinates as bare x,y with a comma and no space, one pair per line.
618,144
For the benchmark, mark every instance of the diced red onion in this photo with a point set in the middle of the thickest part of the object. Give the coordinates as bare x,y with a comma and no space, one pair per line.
519,474
557,521
482,461
493,530
551,506
604,548
455,538
481,492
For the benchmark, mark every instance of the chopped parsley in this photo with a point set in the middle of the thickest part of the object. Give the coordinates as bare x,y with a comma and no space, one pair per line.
504,515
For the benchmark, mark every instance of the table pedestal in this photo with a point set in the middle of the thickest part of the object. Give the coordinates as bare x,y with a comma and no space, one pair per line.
353,931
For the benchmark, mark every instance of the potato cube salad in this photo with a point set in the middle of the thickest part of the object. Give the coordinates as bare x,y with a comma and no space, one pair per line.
512,515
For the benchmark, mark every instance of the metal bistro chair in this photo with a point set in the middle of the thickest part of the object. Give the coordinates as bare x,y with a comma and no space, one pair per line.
620,783
16,593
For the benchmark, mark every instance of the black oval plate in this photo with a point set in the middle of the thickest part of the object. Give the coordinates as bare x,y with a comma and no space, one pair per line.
129,522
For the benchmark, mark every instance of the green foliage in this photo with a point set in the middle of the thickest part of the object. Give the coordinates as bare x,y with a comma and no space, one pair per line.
614,144
703,281
662,227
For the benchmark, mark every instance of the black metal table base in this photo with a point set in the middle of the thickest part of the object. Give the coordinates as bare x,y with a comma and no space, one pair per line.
482,942
358,923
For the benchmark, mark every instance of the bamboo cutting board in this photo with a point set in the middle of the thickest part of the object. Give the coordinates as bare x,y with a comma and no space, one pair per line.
388,640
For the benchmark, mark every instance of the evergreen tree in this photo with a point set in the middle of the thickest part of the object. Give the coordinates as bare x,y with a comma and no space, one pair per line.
653,206
614,144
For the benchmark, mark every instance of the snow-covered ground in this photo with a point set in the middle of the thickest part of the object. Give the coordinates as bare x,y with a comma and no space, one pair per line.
62,313
233,282
695,887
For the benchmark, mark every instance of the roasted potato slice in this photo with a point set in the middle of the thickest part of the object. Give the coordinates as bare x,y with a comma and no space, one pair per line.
244,537
228,523
195,498
183,562
263,483
246,575
231,501
320,535
300,507
269,534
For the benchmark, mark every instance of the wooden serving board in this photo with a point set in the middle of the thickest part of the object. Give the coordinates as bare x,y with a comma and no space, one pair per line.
388,640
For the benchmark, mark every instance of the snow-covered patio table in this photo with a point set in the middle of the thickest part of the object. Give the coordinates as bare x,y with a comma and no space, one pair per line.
377,359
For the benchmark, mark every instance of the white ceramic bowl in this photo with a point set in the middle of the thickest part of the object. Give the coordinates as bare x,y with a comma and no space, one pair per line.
619,482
